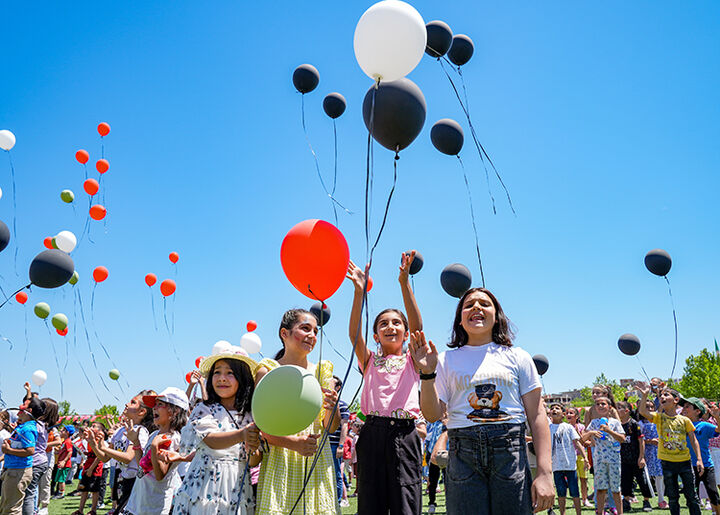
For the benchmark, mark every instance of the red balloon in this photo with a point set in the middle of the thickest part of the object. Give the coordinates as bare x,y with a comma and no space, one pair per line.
370,283
100,274
167,287
82,156
314,257
150,279
48,242
104,129
251,326
98,212
198,360
174,256
63,332
21,297
102,165
91,186
188,377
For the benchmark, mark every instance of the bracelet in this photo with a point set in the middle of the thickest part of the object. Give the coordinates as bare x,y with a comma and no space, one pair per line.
137,448
425,377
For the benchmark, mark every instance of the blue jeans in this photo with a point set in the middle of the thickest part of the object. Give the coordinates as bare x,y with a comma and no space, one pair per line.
338,474
488,471
672,470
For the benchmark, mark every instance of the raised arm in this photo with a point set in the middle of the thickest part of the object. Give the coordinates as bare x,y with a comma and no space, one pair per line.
411,308
357,277
425,356
642,403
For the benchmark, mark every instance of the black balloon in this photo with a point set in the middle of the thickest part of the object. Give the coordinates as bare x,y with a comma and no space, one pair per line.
461,50
439,38
447,136
658,262
541,363
306,78
629,344
399,113
51,268
320,309
4,236
456,279
334,105
417,263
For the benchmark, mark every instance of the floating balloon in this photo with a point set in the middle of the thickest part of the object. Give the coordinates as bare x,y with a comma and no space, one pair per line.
167,287
67,196
7,139
82,156
65,241
658,262
439,38
541,363
114,374
21,297
251,326
91,186
629,344
417,263
334,105
370,284
103,129
389,40
456,279
51,268
188,377
100,274
150,279
461,50
399,113
74,278
305,78
4,236
64,332
102,165
314,257
198,360
39,377
221,346
59,321
98,212
286,401
42,310
321,312
174,257
48,243
447,136
251,343
0,192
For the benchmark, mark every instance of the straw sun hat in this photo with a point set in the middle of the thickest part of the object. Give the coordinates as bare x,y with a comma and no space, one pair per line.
230,352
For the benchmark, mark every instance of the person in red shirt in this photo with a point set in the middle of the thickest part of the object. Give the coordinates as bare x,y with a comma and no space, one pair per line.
64,457
92,471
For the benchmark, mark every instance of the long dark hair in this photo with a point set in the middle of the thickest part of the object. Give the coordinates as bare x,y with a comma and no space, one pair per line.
50,417
289,320
147,420
502,332
246,385
178,417
390,310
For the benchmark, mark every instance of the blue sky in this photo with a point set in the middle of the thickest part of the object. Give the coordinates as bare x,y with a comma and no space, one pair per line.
602,118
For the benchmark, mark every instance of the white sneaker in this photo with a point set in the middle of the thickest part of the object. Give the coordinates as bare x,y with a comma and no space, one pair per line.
43,511
344,503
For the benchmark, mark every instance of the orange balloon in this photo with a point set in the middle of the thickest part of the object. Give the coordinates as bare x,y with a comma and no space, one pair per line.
48,242
150,279
174,256
251,326
100,274
21,297
102,165
98,212
370,283
167,287
198,360
314,257
104,129
188,377
63,332
91,186
82,156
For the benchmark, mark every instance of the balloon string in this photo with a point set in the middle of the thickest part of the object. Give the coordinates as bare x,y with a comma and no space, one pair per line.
472,217
643,368
462,83
104,202
102,345
102,147
57,361
14,197
333,347
387,207
27,340
167,326
92,386
332,192
172,344
7,340
7,299
86,172
152,306
87,338
317,163
672,302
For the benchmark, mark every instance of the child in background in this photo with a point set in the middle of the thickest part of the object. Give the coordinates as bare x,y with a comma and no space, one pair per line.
674,432
565,445
92,471
632,459
652,462
582,459
605,435
694,409
600,390
64,457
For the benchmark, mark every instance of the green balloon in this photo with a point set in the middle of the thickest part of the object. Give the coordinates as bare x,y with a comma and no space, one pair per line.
42,310
114,374
286,401
67,196
361,416
54,244
59,321
75,278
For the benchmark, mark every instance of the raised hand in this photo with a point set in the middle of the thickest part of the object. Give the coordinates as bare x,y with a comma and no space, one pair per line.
131,432
356,275
405,263
424,354
643,388
195,377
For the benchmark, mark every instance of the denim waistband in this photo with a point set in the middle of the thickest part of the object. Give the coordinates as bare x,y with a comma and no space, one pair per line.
489,431
389,421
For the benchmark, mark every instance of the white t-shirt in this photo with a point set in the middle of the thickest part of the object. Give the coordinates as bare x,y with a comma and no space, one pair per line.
485,384
120,442
563,449
4,434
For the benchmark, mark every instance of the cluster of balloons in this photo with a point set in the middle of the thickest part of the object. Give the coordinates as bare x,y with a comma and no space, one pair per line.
51,269
64,240
306,78
440,41
168,286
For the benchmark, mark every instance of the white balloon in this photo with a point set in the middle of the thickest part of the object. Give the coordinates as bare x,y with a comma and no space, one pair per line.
251,343
39,377
0,192
7,139
390,40
221,347
66,241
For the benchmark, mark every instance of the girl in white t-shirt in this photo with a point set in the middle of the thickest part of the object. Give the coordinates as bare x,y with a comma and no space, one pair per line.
488,389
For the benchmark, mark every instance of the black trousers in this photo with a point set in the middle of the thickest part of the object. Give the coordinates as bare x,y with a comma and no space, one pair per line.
629,473
708,479
389,459
433,478
683,470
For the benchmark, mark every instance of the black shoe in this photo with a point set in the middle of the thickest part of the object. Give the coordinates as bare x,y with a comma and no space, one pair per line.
646,506
626,506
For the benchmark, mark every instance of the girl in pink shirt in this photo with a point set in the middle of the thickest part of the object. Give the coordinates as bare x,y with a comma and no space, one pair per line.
388,449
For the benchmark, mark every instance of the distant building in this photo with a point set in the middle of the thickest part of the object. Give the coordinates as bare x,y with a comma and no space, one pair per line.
562,397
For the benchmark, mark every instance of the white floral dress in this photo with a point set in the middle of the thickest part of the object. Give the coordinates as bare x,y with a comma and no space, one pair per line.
212,482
